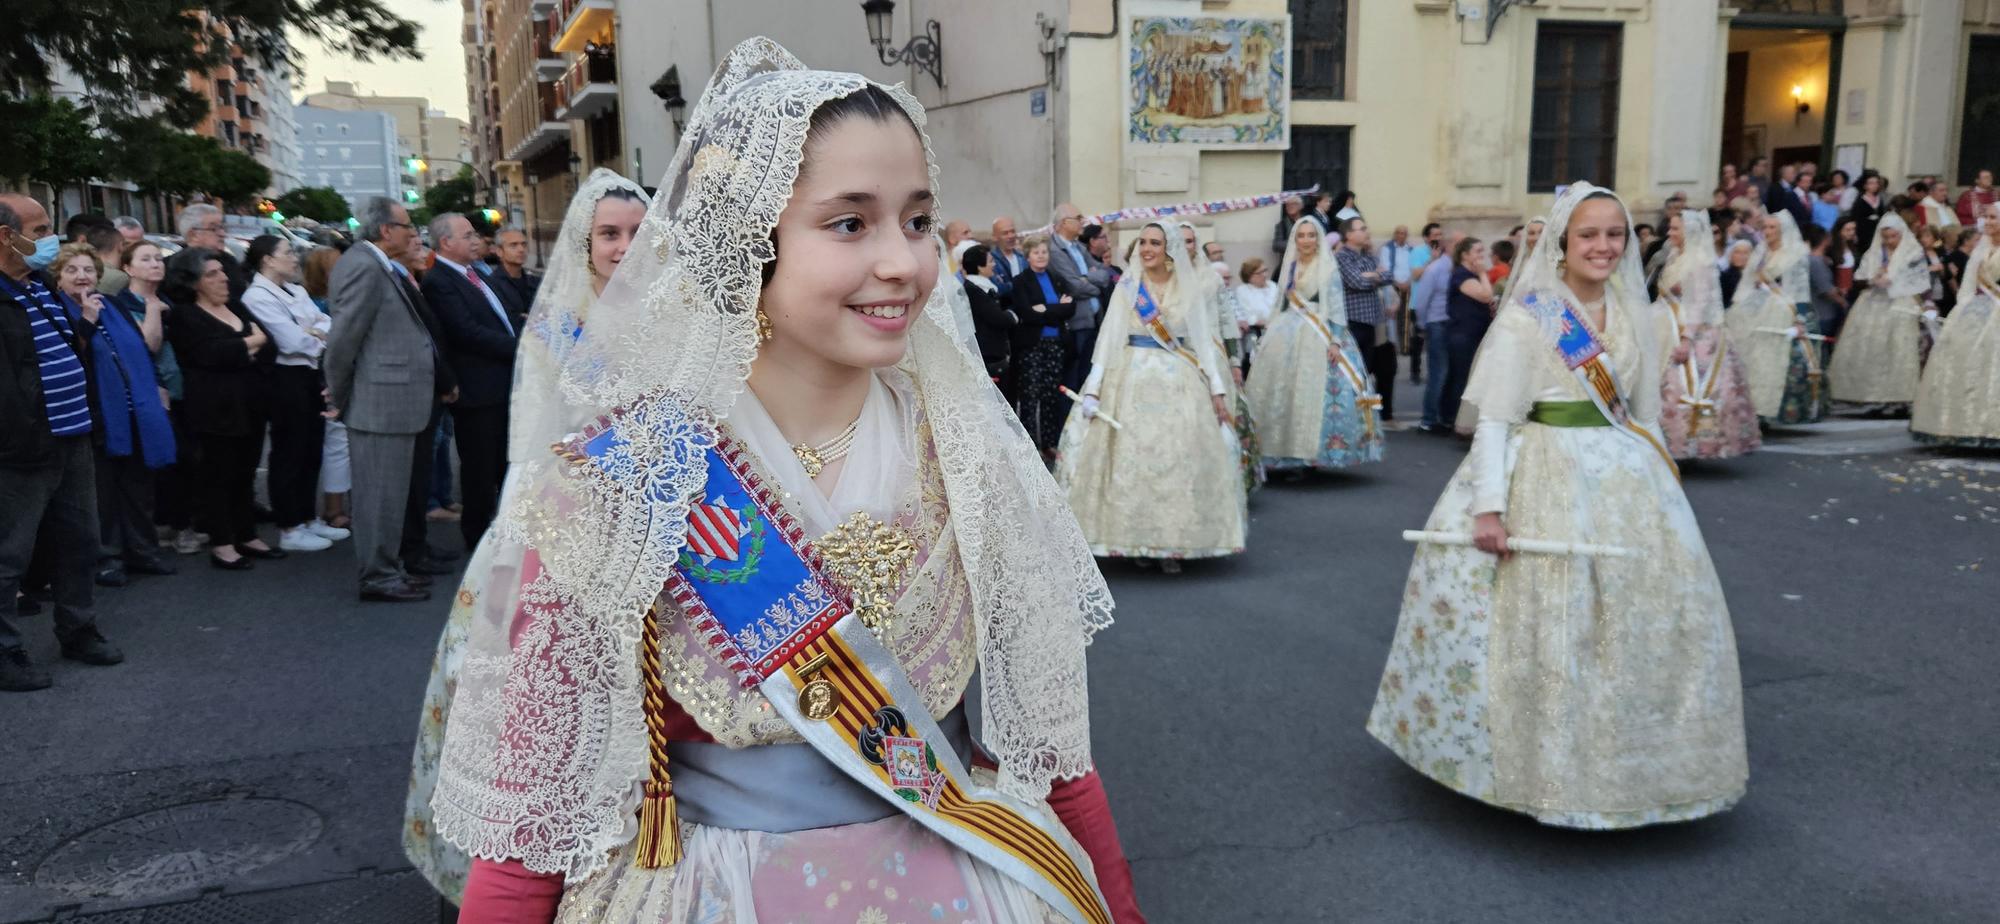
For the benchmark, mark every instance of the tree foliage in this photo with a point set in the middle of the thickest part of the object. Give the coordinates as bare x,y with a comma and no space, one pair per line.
320,203
458,194
134,53
50,140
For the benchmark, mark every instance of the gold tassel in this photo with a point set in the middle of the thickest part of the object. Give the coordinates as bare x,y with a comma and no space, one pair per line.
659,828
659,842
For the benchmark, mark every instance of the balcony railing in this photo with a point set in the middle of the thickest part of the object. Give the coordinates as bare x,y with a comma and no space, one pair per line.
581,20
549,63
590,87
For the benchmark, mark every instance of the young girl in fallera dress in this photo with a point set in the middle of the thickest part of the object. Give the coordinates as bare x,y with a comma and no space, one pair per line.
782,429
1586,691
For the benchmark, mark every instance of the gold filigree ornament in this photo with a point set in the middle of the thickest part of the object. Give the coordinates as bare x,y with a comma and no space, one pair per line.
868,558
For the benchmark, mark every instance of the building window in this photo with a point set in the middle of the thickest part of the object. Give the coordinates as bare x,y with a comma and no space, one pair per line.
1318,155
1979,133
1573,132
1319,49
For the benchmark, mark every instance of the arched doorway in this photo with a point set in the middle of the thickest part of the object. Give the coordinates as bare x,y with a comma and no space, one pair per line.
1782,82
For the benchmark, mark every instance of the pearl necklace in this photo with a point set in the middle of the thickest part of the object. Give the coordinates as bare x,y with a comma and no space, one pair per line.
817,458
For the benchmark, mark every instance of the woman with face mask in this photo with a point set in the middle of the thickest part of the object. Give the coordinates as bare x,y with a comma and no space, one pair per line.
1878,361
1586,690
715,669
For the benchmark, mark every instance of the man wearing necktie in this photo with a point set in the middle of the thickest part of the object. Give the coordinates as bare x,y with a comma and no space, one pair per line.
382,368
481,327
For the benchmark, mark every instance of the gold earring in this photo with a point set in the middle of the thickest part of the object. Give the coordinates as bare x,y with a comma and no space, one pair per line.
764,331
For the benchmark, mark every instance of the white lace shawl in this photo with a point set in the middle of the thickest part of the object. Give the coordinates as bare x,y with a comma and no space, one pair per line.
1909,269
1784,266
546,748
1693,269
1319,278
1501,384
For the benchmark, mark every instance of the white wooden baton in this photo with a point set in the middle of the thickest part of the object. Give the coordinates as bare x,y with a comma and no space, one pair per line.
1518,544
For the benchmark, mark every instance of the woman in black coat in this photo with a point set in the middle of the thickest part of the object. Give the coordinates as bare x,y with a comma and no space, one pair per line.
1043,305
992,323
226,361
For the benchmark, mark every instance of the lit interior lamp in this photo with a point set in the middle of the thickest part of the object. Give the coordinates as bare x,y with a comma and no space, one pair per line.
1799,102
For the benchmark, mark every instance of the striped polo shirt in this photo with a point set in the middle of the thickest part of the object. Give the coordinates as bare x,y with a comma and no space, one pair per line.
64,387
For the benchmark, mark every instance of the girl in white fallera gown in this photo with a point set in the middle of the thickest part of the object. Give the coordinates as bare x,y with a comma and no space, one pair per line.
1879,358
1165,482
721,675
1309,391
1959,401
1584,690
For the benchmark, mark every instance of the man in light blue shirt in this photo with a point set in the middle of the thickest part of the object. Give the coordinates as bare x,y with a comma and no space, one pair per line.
1427,304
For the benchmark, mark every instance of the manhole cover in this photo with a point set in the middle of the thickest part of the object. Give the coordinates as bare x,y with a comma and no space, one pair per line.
179,847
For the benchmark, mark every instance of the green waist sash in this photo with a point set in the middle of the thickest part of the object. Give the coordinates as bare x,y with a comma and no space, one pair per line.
1567,414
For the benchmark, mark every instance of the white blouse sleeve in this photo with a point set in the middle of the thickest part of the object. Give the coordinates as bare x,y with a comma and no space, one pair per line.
1488,459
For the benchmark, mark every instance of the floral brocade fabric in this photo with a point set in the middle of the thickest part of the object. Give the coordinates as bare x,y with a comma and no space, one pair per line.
1880,353
1959,401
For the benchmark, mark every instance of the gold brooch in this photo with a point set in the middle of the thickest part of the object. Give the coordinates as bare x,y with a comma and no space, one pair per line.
868,558
818,700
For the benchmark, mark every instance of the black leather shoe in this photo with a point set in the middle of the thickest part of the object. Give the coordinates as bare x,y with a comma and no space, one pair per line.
150,566
394,593
89,647
19,675
417,580
428,566
267,553
240,564
113,576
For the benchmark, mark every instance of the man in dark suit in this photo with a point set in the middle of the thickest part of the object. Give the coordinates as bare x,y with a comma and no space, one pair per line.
418,555
1783,196
381,368
1083,278
481,323
511,245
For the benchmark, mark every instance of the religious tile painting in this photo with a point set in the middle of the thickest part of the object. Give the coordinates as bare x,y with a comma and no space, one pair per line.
1209,81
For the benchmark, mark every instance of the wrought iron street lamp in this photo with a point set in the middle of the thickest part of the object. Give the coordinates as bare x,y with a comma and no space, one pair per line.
924,52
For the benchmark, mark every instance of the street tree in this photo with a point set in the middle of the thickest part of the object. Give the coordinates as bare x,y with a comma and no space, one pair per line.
134,56
237,178
320,203
50,140
458,194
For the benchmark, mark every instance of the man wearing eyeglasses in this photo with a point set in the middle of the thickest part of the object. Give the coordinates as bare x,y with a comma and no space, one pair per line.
201,228
382,368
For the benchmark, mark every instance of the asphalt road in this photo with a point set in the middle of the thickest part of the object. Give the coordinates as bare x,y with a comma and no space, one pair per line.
248,762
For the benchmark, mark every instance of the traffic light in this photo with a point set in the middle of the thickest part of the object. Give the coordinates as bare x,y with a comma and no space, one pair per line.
417,165
410,196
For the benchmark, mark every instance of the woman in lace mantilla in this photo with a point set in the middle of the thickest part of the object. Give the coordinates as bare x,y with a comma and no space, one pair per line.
1879,359
597,230
1772,326
1959,401
781,304
1705,406
1308,391
1583,690
1166,482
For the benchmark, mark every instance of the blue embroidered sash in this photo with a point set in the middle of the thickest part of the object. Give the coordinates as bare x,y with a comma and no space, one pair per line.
1584,356
760,598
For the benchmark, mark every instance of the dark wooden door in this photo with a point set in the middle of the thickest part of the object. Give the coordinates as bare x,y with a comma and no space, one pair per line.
1736,78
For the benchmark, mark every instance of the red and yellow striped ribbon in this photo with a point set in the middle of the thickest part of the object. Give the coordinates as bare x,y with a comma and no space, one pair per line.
861,695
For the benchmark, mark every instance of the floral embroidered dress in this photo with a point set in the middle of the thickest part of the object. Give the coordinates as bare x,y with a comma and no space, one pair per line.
1167,481
1786,372
1307,407
1705,406
1959,401
891,869
1585,691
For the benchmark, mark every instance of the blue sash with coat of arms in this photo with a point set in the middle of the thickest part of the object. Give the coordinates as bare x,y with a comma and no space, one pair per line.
765,603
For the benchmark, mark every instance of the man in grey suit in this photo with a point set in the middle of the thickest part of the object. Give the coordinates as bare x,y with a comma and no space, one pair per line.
380,362
1088,280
